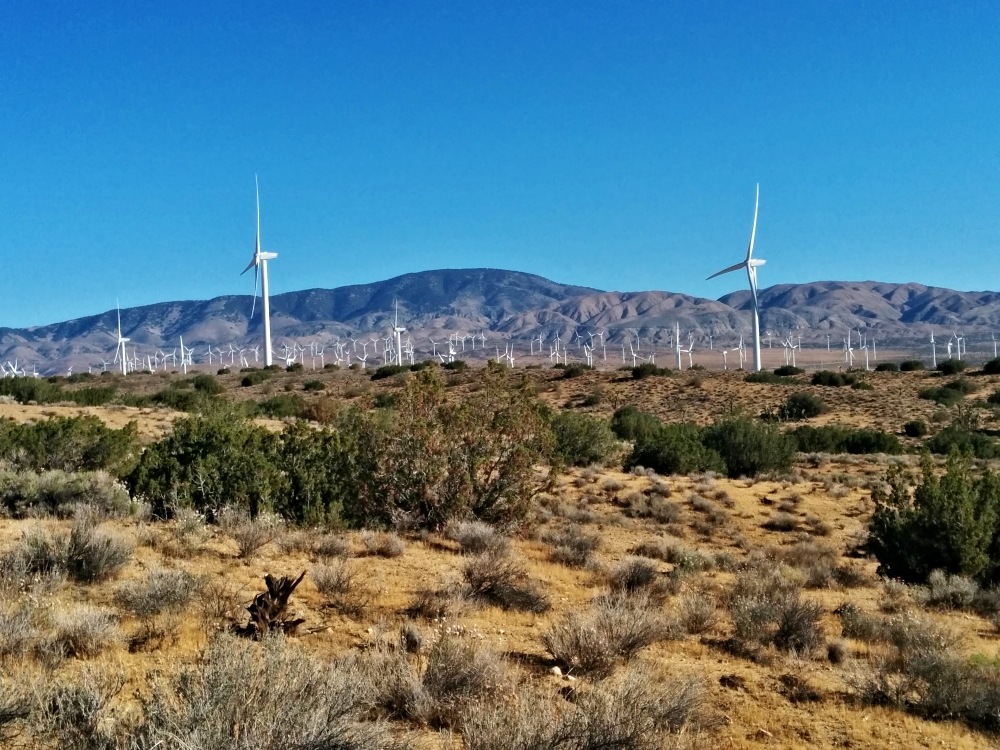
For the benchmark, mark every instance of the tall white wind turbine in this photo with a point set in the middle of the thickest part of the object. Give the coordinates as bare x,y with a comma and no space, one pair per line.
751,265
398,331
120,355
259,265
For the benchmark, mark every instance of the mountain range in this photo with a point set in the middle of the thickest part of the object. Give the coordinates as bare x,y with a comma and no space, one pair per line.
512,306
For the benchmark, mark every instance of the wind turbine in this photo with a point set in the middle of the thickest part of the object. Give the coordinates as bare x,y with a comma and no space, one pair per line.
398,331
259,265
751,265
933,353
120,355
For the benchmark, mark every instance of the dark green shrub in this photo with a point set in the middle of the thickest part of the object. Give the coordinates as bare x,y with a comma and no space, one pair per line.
862,385
992,367
749,447
801,406
886,367
180,400
581,439
839,439
575,370
674,449
648,369
962,385
222,371
786,370
205,383
69,444
387,371
385,400
941,395
871,441
951,366
915,428
912,365
255,377
962,438
946,523
92,396
313,385
834,379
629,423
458,365
284,405
294,367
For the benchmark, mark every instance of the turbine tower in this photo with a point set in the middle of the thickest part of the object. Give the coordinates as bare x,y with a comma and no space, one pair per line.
120,355
751,264
398,331
259,265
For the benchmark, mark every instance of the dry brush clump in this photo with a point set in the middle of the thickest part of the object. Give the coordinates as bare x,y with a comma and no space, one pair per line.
572,546
476,537
616,626
501,580
382,544
338,581
767,609
639,710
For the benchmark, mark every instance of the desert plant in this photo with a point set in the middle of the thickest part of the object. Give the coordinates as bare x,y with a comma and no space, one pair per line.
80,632
629,423
801,405
572,546
93,554
674,449
162,591
749,448
912,365
915,428
951,366
501,580
581,440
383,544
476,537
886,367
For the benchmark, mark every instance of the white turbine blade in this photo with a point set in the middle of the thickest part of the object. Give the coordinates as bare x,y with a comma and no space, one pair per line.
753,231
253,305
732,268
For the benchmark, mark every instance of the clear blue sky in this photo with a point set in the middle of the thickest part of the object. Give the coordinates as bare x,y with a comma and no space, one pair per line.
608,144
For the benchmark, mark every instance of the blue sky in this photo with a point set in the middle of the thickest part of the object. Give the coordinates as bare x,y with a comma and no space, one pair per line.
613,145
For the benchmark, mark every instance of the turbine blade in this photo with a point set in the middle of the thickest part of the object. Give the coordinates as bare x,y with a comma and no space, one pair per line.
251,264
753,231
732,268
253,305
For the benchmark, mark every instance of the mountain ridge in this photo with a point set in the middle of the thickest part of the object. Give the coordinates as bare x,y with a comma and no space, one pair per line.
512,306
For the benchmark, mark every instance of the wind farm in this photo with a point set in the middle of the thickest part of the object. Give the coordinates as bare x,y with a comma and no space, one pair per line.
490,454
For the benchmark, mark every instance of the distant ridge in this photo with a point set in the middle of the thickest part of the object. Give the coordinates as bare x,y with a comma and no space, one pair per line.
513,306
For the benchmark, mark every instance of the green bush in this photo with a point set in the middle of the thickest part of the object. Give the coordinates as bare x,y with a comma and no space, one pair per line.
941,395
674,449
581,440
69,444
458,365
994,398
834,379
962,438
951,366
387,371
786,370
205,383
801,406
295,367
313,385
912,365
255,377
283,405
915,428
992,367
629,423
770,378
839,439
749,447
886,367
648,369
946,523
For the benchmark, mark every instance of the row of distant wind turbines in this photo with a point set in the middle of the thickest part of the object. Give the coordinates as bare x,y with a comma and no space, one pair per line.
395,350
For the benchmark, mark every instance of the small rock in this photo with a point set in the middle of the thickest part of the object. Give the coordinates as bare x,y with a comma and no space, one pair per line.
556,671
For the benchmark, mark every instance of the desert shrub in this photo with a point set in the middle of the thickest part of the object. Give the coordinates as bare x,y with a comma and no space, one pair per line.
162,591
241,694
313,386
575,370
915,428
834,379
675,552
636,574
615,626
781,521
867,440
457,365
283,405
475,537
768,609
255,377
862,385
250,534
206,383
388,371
674,449
17,632
697,613
572,546
93,554
501,580
383,544
459,672
80,632
994,398
951,366
61,493
802,406
749,448
912,365
786,370
69,444
838,439
886,367
946,522
992,367
950,591
435,461
581,440
960,437
648,369
629,423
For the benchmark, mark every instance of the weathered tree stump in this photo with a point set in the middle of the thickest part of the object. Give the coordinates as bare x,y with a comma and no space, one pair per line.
267,611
